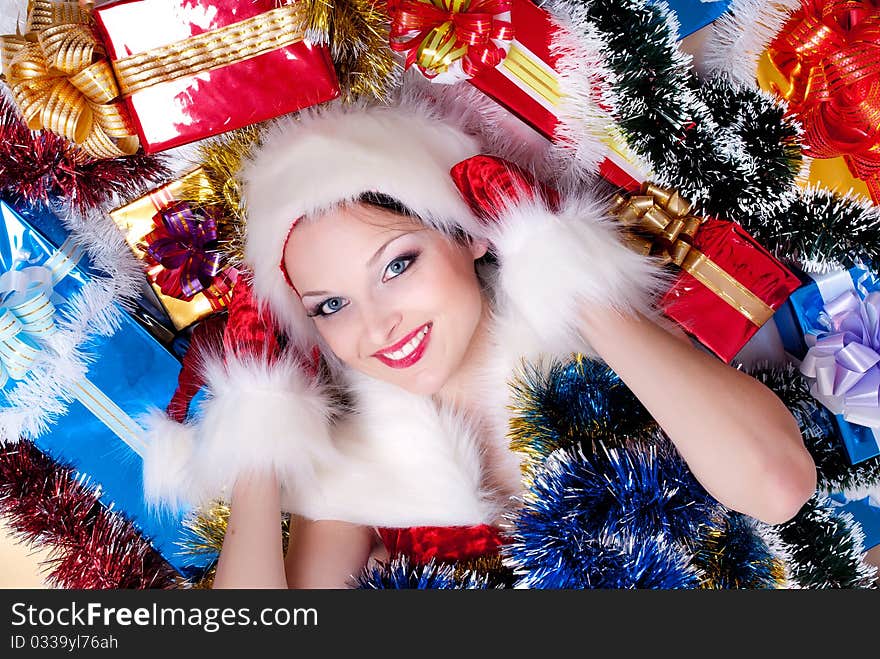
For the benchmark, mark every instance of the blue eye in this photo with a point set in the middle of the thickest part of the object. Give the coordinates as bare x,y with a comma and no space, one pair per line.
399,265
328,307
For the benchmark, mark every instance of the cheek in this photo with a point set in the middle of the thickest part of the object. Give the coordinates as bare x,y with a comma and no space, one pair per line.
340,336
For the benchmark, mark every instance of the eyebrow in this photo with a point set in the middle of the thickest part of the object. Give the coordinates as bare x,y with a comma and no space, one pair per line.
372,260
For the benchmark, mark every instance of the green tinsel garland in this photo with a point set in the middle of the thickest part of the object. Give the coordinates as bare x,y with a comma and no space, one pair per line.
725,146
826,548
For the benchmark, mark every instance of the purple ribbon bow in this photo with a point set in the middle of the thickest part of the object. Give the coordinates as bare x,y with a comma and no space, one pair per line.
180,244
844,361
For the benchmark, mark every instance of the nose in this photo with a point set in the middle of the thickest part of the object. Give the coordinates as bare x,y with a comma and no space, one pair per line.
381,324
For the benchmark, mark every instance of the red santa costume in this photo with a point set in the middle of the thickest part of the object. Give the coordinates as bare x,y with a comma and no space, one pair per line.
436,481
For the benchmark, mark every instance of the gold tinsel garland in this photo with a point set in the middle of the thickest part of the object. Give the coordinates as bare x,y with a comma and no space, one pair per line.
365,64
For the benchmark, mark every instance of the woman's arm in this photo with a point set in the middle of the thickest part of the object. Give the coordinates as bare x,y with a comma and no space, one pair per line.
321,554
737,437
252,555
326,553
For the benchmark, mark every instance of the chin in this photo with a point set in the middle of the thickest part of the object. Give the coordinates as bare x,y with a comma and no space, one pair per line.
423,386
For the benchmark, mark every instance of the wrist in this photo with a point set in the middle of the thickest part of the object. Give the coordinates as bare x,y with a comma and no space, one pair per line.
256,483
600,323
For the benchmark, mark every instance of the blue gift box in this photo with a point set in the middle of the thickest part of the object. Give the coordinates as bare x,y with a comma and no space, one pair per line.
149,311
798,318
865,513
128,372
695,14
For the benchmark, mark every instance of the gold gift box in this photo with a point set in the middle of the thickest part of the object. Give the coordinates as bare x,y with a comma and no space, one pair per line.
135,220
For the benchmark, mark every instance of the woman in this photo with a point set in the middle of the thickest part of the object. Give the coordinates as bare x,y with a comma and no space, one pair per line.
367,235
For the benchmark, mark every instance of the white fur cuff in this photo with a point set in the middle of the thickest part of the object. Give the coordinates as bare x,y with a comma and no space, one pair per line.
259,417
553,263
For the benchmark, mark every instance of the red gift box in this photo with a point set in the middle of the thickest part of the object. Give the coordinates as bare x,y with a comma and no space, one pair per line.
717,323
190,69
519,75
524,82
728,286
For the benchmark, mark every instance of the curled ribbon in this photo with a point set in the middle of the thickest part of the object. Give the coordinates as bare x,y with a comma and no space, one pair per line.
26,319
829,56
660,225
452,40
844,361
27,323
61,80
179,249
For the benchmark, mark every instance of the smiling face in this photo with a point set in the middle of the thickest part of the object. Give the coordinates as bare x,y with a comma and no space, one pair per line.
392,298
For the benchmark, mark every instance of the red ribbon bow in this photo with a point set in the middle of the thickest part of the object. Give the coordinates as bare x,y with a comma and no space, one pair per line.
830,53
436,33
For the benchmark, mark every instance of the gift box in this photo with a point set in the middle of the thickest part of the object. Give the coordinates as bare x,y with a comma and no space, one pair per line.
161,73
735,288
173,242
729,285
866,513
525,82
693,15
188,70
510,60
124,373
801,326
822,63
148,311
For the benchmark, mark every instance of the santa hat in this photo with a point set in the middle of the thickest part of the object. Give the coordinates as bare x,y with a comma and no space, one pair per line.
267,410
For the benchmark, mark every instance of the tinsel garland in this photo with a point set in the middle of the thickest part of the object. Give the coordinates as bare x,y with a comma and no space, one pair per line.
668,119
613,519
822,231
826,547
401,574
726,146
566,508
40,167
558,405
47,504
736,554
365,65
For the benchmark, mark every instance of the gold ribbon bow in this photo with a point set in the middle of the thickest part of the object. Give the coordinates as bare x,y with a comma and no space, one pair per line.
660,225
61,80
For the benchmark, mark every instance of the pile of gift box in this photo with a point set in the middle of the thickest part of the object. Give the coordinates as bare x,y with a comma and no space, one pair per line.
728,286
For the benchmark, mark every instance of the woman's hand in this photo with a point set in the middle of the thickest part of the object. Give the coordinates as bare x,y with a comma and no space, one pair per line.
737,437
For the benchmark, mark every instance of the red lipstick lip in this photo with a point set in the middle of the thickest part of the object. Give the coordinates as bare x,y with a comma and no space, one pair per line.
411,358
402,342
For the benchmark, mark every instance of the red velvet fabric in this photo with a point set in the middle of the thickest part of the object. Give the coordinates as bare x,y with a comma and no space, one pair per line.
206,338
443,543
489,184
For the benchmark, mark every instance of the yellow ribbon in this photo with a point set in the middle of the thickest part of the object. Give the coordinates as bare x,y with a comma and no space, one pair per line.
60,79
661,225
236,42
521,66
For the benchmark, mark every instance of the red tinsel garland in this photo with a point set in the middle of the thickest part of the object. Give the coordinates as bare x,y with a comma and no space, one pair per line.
38,165
48,505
